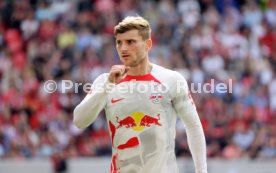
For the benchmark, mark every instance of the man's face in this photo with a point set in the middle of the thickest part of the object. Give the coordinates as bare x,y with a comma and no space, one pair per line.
131,48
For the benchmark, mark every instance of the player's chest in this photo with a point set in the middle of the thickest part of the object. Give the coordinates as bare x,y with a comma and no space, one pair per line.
138,95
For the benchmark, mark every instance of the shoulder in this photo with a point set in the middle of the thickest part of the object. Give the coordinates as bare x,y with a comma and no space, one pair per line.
166,75
101,78
174,80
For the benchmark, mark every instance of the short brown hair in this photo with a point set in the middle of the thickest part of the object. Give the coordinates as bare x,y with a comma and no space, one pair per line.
134,22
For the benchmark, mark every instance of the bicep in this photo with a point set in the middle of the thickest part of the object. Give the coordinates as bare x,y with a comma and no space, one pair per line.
183,103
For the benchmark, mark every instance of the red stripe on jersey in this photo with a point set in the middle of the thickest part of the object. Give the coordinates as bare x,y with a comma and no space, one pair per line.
113,131
113,166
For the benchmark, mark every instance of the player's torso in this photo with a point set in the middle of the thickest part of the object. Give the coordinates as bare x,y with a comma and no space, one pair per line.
138,108
141,122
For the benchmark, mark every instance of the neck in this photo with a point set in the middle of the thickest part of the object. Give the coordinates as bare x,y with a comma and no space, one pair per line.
141,69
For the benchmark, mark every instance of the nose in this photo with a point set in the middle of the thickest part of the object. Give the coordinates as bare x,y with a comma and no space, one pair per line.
124,47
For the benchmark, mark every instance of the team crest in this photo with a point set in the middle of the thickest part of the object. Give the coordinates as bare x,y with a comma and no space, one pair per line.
156,98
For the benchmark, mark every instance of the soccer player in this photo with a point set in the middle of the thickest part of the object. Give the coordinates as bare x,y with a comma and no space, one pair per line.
142,101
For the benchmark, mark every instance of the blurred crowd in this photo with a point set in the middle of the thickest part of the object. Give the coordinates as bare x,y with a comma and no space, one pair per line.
225,41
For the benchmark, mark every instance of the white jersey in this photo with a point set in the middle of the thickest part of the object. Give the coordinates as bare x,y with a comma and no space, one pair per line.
141,113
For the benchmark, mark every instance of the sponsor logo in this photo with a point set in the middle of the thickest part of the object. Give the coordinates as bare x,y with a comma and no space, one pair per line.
138,121
117,100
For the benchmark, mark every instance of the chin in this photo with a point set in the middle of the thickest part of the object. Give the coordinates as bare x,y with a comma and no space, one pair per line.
127,63
130,64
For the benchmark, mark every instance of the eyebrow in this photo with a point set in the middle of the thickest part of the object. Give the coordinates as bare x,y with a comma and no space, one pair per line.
131,39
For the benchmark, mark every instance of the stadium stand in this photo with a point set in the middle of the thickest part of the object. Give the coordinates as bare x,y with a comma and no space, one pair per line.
220,40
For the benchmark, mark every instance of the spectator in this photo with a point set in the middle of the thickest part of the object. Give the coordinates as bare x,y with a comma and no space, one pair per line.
71,40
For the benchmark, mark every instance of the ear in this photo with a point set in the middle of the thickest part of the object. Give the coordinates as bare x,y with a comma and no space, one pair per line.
148,44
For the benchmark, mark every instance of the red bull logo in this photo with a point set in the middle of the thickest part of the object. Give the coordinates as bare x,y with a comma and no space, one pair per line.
138,121
148,121
126,122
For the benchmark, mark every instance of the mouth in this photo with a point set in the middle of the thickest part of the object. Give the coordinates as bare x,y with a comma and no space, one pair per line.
125,56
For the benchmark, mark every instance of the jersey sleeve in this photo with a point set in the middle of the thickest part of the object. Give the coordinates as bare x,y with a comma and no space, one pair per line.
186,110
88,110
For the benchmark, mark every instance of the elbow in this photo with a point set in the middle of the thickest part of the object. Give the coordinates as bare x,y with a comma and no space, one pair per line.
78,123
77,120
